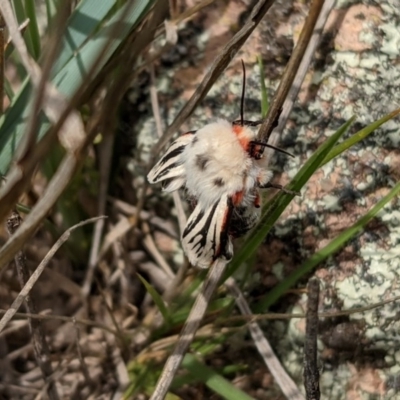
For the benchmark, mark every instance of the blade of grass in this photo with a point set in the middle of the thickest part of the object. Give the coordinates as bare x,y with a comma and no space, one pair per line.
81,26
51,11
324,253
212,380
32,33
273,209
264,94
157,300
357,137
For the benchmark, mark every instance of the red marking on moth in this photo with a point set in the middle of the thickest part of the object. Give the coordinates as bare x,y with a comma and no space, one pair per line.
244,142
237,198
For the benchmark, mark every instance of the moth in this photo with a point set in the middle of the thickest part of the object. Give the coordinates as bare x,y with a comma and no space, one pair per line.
221,166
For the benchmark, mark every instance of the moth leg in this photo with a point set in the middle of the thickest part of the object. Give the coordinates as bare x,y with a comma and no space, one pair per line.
280,187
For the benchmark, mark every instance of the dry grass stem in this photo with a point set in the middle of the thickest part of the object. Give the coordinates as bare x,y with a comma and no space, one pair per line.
28,285
2,50
189,330
155,253
301,73
283,380
40,346
275,109
76,149
311,370
218,66
50,317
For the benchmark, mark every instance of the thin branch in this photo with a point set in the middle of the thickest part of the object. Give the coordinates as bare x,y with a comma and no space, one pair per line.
53,102
157,118
284,381
311,372
178,278
53,317
151,247
2,50
84,367
189,329
218,66
35,276
275,109
301,73
40,346
41,92
22,172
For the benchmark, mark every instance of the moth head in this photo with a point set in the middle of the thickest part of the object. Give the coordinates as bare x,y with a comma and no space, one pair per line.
255,148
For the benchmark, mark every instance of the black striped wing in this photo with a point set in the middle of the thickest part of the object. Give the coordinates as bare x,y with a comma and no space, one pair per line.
170,169
206,237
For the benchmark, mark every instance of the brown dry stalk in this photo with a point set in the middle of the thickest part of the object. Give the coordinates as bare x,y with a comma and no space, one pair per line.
131,52
272,118
216,69
29,283
300,75
311,371
2,50
283,380
40,346
20,174
189,330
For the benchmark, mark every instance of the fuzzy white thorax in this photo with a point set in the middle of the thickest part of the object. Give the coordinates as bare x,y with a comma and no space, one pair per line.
217,164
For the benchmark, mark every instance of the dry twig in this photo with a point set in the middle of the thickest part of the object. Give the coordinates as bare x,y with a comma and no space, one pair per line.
275,109
29,283
189,329
311,372
40,346
218,66
284,381
301,73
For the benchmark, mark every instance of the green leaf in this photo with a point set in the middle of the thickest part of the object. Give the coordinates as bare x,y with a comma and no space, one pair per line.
335,245
82,43
273,210
32,35
51,10
212,380
157,299
358,136
82,25
264,93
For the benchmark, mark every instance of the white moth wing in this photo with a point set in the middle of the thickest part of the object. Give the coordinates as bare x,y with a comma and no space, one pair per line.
215,162
205,237
170,167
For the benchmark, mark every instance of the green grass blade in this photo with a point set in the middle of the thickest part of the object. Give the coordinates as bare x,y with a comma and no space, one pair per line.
157,299
22,13
32,34
51,10
358,136
335,245
212,380
82,25
71,74
264,93
77,68
273,210
8,90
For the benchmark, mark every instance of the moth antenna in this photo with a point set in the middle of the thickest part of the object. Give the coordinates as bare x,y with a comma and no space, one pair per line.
248,123
272,147
243,93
